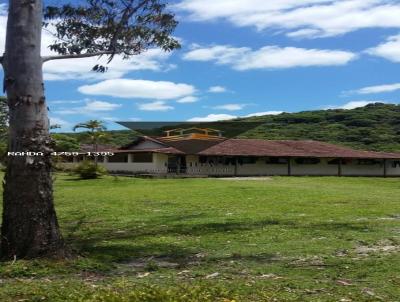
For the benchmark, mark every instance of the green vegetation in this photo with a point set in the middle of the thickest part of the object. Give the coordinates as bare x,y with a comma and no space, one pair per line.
64,143
278,239
95,132
115,138
88,169
374,127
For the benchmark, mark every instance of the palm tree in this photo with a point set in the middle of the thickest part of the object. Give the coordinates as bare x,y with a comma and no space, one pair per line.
95,131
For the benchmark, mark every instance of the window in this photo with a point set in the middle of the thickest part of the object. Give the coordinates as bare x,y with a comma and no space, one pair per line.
307,161
247,160
335,161
143,158
276,161
368,162
203,159
118,158
396,164
229,161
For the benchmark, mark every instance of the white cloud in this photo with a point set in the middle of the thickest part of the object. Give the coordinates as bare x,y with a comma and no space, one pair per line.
230,107
100,106
65,102
269,57
188,99
354,104
109,119
217,89
67,111
59,121
377,89
223,54
155,106
3,26
78,69
142,89
264,113
389,50
91,107
298,18
72,69
213,118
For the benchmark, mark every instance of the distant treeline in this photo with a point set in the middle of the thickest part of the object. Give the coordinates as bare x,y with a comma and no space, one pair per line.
373,127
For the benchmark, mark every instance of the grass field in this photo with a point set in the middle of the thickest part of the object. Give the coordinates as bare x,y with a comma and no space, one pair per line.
283,239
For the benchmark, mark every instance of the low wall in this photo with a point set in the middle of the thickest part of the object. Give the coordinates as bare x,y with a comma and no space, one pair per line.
260,168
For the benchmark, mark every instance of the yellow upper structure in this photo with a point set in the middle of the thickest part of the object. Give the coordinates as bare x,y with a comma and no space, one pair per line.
193,133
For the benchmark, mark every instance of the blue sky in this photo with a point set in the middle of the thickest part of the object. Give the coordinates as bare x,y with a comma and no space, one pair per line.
240,58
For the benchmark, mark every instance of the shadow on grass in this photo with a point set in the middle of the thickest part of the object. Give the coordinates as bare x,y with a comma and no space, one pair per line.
110,246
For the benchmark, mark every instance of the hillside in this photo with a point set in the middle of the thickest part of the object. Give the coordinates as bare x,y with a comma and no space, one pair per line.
374,127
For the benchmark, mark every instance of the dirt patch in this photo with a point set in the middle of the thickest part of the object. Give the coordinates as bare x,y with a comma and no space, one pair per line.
259,178
308,261
382,247
151,263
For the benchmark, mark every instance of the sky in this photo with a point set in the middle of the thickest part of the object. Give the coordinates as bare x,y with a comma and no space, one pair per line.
238,58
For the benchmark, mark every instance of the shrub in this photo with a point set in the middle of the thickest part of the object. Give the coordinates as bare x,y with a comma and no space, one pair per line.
89,170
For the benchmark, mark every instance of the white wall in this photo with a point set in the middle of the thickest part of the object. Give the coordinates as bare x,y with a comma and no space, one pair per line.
261,168
362,170
157,166
390,170
320,169
194,167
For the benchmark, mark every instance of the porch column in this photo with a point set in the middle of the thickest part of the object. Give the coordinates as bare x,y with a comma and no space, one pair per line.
130,158
385,168
340,170
289,167
236,167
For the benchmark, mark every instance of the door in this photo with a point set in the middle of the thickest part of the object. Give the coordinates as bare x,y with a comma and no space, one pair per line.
173,164
182,164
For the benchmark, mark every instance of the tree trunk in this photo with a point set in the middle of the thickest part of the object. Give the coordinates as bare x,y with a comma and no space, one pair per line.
29,227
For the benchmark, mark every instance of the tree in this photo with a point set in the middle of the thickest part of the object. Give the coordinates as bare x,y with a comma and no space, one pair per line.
55,126
3,119
96,132
85,29
65,143
3,129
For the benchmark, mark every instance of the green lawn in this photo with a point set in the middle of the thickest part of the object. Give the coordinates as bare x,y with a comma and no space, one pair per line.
283,239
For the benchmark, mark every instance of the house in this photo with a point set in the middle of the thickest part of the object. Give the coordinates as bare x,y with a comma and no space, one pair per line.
205,152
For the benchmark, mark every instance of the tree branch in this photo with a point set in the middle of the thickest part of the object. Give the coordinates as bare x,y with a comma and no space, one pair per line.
127,14
76,56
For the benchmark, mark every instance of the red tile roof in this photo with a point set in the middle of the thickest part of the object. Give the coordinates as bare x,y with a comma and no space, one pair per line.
287,148
100,148
259,147
166,150
191,146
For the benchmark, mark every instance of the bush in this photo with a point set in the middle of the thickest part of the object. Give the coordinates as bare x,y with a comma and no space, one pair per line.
89,170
